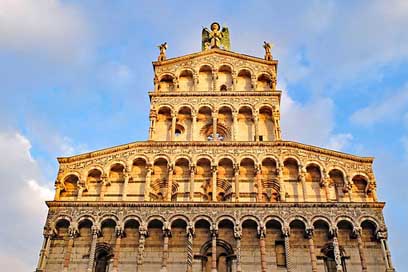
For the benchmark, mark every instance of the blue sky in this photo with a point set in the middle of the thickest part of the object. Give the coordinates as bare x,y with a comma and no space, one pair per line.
74,77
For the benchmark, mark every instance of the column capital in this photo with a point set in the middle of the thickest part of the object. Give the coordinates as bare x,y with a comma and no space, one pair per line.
143,229
261,231
309,233
119,231
286,230
214,168
237,230
190,229
214,230
382,235
356,232
73,231
193,169
95,230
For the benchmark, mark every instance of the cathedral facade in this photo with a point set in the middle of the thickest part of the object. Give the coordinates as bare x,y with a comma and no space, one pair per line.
215,188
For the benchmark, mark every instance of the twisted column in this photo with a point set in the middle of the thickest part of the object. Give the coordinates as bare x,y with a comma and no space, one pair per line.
190,236
214,233
165,256
313,259
142,239
95,233
119,235
238,235
261,236
336,250
286,234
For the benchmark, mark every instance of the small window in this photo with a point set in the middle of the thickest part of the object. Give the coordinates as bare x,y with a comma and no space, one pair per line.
260,138
280,253
223,88
177,132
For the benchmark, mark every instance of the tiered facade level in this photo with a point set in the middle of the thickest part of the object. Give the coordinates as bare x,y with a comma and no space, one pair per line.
215,188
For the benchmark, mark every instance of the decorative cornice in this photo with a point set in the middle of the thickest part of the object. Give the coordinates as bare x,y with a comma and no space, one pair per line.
159,144
169,204
199,94
212,52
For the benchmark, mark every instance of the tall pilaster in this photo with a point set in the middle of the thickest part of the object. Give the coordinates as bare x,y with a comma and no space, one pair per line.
214,182
72,233
169,194
149,169
259,183
236,177
192,175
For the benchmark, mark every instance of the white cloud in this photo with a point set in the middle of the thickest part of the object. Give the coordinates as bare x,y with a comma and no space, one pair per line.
384,110
311,123
23,208
49,26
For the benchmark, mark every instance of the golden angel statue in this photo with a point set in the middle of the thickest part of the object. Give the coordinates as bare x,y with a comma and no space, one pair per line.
215,38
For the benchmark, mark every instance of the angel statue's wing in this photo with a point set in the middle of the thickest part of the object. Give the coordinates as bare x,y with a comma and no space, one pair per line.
205,36
226,38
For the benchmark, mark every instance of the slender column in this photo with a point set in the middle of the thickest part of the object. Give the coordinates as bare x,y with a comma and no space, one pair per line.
313,259
234,125
214,78
286,234
282,189
276,119
214,126
148,181
153,118
170,183
195,79
256,123
236,176
72,233
81,188
165,256
238,235
173,126
261,236
302,178
119,234
192,175
350,188
125,183
190,236
325,183
44,251
193,126
357,234
382,236
214,232
142,239
337,254
214,182
105,183
58,189
259,183
95,233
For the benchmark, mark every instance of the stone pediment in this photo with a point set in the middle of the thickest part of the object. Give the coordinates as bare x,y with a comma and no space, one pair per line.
216,57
